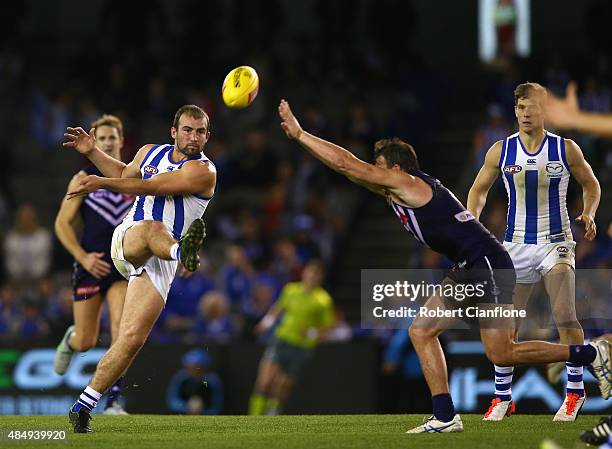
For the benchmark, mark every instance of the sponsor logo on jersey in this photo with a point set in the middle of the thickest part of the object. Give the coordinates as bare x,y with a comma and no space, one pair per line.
562,249
150,170
531,161
512,169
554,168
464,216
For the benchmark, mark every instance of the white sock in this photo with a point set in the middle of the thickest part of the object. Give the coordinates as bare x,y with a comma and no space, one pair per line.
89,398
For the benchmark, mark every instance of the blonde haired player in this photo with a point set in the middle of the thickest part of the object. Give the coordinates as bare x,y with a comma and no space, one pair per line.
94,278
536,166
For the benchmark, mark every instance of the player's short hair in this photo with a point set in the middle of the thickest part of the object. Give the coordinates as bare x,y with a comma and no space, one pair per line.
396,151
193,111
110,120
528,89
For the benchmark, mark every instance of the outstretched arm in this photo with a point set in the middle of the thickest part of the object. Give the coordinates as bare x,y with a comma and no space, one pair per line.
477,197
591,191
85,143
565,113
194,177
412,190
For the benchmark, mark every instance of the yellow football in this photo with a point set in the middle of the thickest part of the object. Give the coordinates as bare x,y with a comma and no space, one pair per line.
240,87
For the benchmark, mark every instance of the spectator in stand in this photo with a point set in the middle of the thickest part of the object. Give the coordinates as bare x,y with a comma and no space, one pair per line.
306,247
286,265
256,161
496,128
32,324
236,275
213,323
262,298
27,247
195,389
184,297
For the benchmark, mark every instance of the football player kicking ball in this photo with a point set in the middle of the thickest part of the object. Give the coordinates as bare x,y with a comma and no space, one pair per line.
434,216
536,166
174,184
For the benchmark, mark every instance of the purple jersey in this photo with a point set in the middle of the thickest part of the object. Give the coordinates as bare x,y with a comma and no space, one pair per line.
445,225
101,212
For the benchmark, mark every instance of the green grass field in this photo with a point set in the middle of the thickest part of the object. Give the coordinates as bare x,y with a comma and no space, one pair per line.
319,431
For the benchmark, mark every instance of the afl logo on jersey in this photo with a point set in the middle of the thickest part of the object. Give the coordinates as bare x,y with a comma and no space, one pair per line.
512,169
562,249
150,170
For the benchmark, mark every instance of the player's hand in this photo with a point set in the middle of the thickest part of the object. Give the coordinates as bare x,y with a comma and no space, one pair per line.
288,121
87,185
562,112
590,227
81,141
95,265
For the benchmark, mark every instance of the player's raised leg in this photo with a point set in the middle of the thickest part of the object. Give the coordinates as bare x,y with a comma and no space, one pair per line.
150,238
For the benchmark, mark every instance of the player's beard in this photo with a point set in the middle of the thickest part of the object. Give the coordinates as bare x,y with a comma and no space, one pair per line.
189,150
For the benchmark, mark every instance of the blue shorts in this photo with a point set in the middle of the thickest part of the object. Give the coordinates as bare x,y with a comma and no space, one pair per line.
494,271
85,286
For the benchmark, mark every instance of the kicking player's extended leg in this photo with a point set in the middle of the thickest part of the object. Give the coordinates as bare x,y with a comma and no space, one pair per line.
502,404
424,333
151,238
142,307
83,335
560,283
268,370
115,298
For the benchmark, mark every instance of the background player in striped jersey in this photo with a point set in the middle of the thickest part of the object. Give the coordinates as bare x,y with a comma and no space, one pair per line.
174,184
434,216
94,278
536,167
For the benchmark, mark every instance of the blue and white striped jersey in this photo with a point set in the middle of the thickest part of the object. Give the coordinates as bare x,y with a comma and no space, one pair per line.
537,186
177,212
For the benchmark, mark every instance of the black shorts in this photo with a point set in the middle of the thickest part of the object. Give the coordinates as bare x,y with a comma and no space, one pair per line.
492,273
291,358
85,286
